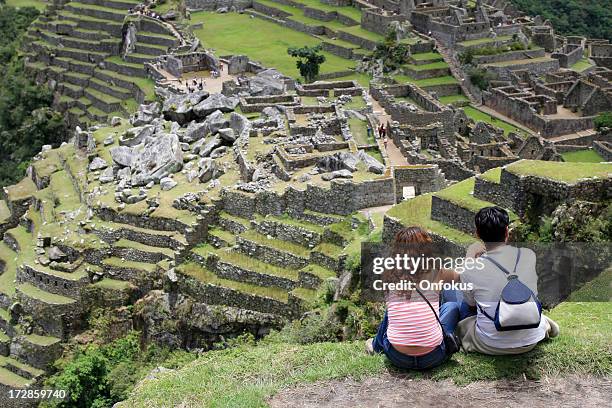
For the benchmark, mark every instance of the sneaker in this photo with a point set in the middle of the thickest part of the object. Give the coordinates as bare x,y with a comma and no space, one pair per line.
369,346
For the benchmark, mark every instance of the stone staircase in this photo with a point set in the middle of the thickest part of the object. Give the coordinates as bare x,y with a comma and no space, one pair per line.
79,47
457,72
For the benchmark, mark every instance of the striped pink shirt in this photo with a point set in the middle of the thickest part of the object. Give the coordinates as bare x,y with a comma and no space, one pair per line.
411,321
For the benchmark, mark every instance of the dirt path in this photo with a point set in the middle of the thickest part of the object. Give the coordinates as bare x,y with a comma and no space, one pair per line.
396,158
390,391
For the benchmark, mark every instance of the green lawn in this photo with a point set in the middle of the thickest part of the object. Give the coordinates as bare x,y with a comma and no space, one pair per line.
583,156
248,35
462,194
429,56
493,175
247,376
349,11
297,14
449,99
359,129
427,67
561,171
417,212
581,65
480,41
478,115
39,4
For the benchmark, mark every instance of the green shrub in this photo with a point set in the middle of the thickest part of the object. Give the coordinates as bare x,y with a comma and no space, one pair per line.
603,120
479,77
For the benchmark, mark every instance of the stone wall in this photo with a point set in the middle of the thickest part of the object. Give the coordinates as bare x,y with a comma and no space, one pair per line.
568,56
424,178
452,215
213,5
373,20
604,149
509,56
536,68
341,197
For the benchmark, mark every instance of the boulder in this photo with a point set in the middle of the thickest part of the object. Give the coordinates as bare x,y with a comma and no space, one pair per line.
267,82
107,175
227,134
338,161
55,254
115,121
373,165
240,125
211,145
215,102
179,107
208,170
146,114
156,159
218,152
337,174
216,121
167,183
195,131
137,135
122,155
109,140
98,163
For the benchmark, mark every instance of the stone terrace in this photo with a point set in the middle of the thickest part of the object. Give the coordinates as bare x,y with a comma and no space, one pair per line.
80,46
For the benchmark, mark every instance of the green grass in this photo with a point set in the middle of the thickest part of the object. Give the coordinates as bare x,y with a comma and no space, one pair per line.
255,265
141,266
245,223
581,65
493,175
299,15
426,56
5,213
248,35
330,250
583,156
223,235
13,380
275,243
427,67
124,243
462,194
480,116
113,284
288,220
480,41
449,99
360,32
561,171
24,189
246,376
417,212
351,12
518,62
42,340
322,273
7,278
201,274
359,130
38,4
34,292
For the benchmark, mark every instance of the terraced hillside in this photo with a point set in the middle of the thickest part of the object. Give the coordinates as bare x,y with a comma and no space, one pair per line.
78,45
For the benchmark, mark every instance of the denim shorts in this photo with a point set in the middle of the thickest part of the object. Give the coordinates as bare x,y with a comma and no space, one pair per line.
432,359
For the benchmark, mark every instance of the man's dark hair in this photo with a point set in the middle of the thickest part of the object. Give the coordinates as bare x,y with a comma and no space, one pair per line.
491,224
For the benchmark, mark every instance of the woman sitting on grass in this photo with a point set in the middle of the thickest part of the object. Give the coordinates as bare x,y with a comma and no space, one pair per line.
410,335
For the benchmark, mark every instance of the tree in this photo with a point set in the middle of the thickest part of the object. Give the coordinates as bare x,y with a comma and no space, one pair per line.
603,120
309,61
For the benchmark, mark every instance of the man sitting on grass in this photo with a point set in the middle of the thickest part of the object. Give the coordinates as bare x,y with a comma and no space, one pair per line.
479,333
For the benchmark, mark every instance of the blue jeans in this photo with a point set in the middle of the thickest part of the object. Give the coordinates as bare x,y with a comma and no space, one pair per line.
450,312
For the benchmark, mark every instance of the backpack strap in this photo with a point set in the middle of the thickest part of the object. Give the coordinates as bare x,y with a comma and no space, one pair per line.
504,270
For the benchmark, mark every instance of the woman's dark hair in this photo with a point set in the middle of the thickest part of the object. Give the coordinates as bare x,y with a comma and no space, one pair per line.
491,224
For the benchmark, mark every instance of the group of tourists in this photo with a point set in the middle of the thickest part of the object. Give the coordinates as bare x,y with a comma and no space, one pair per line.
194,85
495,312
